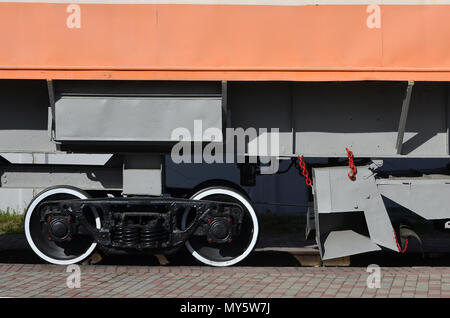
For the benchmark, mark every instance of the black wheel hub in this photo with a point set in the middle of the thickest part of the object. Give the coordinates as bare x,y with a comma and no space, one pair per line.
59,229
219,230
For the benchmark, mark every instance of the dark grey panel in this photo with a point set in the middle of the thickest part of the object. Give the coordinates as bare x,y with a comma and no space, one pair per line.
24,121
260,105
364,116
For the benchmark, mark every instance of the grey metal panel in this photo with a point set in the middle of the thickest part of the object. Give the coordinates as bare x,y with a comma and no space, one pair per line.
260,105
88,178
340,194
57,158
263,105
271,144
24,106
334,191
325,118
364,116
378,222
322,190
142,182
25,140
132,118
142,175
345,243
447,117
404,118
427,197
426,129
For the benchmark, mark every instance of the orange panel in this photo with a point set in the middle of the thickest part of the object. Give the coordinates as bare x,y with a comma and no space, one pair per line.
225,42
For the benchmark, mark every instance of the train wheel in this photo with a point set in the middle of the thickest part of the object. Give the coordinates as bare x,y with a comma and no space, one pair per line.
225,254
60,253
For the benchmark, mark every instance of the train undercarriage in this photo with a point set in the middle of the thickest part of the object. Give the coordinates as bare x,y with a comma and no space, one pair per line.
63,225
122,203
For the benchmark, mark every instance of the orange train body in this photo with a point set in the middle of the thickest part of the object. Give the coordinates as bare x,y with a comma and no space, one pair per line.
224,42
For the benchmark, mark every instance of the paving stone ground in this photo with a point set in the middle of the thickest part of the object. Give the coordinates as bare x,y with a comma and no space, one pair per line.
28,280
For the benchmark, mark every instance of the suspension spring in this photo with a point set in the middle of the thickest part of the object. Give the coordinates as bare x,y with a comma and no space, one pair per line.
127,236
153,236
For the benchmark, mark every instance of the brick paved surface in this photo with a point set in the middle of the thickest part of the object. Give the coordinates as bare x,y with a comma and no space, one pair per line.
18,280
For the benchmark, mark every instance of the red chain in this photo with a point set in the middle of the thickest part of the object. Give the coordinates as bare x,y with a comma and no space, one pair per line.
305,172
398,245
351,164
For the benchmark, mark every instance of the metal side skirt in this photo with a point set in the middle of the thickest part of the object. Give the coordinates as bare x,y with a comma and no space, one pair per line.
427,197
377,218
335,194
345,243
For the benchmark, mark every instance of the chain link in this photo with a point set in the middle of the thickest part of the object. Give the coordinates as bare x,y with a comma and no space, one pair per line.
398,244
351,164
305,173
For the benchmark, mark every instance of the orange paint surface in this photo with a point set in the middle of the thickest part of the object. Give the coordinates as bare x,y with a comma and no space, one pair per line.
225,42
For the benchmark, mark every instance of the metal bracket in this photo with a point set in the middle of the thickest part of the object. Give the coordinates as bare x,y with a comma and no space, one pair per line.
226,122
376,164
52,101
404,117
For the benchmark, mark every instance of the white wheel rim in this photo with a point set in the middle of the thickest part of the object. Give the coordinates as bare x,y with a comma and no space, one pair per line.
30,210
241,199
